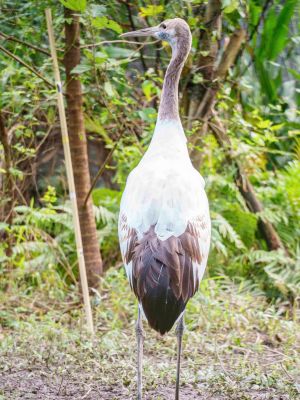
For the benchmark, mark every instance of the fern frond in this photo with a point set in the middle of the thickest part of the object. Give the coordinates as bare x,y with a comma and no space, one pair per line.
226,230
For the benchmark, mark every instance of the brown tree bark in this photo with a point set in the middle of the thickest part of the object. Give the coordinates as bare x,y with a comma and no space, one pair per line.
78,144
7,183
7,192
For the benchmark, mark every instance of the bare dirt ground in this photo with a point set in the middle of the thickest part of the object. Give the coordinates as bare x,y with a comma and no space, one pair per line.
37,385
37,370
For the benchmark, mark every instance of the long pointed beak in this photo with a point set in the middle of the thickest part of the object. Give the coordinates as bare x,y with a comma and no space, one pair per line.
142,32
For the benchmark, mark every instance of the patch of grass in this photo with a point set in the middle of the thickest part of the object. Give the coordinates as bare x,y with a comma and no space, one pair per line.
236,346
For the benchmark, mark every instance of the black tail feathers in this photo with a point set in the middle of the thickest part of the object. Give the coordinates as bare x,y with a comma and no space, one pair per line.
160,305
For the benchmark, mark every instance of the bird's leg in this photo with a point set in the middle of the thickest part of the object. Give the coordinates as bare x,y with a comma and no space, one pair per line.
140,342
179,332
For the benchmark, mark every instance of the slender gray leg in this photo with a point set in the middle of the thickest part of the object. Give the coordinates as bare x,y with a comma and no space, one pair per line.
179,332
140,342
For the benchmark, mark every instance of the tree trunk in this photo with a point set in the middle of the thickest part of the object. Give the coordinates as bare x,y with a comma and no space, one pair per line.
6,182
6,188
78,144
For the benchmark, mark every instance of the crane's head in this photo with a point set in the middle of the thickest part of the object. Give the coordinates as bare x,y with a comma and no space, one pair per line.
173,31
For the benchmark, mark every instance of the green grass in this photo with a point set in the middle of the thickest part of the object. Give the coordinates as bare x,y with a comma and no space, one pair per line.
236,346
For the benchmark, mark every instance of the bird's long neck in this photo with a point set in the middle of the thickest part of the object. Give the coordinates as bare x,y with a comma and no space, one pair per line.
169,137
168,108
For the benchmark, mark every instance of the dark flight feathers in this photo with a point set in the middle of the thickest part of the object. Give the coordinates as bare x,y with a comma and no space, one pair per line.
163,277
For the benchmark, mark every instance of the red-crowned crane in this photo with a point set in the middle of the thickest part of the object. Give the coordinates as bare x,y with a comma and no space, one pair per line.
164,223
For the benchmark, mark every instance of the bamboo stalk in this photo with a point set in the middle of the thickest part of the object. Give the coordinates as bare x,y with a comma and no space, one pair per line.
70,176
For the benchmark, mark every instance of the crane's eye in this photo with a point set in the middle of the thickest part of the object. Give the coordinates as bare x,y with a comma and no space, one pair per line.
164,26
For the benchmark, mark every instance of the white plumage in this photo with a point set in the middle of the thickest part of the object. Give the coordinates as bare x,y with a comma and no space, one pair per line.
166,191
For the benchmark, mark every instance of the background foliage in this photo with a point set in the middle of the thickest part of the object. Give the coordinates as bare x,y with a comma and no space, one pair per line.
244,324
258,104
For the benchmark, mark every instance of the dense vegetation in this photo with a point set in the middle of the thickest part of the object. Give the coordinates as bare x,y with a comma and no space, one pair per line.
121,84
248,142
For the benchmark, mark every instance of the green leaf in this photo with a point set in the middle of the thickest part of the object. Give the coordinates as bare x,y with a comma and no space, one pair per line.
276,31
198,78
109,89
104,23
99,57
80,68
229,6
98,10
295,73
118,52
94,126
148,88
204,53
106,197
148,114
243,222
277,127
3,226
281,31
264,124
151,11
75,5
16,172
266,81
254,13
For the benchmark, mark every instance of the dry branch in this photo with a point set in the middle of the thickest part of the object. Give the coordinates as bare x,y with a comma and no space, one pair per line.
31,69
230,53
31,46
